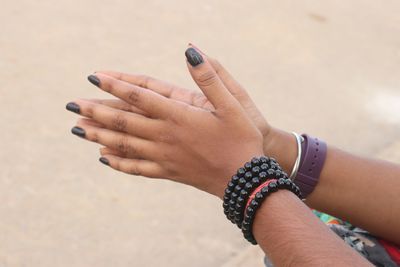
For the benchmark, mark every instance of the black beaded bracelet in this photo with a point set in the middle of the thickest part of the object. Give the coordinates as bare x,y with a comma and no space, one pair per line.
259,197
238,181
254,173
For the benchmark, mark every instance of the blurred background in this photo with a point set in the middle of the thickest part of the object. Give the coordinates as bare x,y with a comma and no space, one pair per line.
328,68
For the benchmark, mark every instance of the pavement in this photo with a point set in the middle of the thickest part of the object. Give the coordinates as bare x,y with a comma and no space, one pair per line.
328,68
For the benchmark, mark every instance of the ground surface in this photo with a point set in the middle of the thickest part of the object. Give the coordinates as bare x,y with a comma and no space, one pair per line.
329,68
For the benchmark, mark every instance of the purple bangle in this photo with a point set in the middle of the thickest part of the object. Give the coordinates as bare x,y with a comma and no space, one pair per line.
312,160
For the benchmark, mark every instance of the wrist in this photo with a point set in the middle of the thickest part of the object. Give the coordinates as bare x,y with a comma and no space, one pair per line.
282,146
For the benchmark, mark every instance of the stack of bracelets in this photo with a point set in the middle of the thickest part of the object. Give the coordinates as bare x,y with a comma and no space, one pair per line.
262,176
249,187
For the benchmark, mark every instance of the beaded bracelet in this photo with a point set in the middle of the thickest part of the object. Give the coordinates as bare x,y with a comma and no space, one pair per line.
257,198
255,172
249,187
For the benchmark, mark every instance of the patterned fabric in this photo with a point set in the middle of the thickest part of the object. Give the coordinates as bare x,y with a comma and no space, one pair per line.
377,251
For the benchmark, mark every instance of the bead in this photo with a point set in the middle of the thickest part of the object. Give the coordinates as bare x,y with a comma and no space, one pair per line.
247,217
244,193
281,182
271,173
228,191
235,179
250,211
232,202
231,210
265,190
237,188
248,175
258,196
242,182
245,227
237,213
247,166
226,198
231,185
235,195
255,170
239,206
241,172
255,181
254,203
262,175
248,186
240,199
225,205
255,162
264,167
264,159
273,187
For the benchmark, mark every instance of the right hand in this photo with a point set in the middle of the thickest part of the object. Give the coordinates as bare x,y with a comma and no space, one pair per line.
276,143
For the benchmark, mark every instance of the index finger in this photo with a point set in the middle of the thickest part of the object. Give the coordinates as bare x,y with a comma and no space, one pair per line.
152,103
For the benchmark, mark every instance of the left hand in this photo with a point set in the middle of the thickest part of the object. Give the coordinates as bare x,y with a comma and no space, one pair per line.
175,140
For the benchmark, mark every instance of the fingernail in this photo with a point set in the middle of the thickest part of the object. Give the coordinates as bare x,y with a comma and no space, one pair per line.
193,57
78,131
104,161
94,80
71,106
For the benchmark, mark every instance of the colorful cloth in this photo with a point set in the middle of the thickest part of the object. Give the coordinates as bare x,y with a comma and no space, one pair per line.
379,252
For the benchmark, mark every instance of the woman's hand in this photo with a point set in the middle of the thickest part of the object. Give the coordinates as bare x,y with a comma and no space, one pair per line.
199,146
275,141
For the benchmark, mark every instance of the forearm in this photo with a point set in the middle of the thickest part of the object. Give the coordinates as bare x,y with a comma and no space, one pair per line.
362,191
291,235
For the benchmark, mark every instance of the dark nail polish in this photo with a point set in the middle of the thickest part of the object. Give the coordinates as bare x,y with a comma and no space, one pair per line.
104,161
193,57
94,80
71,106
78,131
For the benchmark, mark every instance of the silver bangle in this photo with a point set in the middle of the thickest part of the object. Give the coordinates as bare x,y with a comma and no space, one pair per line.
296,166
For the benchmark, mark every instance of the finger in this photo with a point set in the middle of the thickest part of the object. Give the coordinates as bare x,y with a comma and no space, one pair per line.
119,120
133,166
166,89
118,104
109,151
161,87
146,100
92,123
207,79
230,83
130,146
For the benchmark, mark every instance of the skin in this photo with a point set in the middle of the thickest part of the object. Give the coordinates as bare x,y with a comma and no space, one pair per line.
154,129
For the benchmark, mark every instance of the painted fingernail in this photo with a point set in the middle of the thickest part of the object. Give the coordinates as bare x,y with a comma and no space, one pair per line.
78,131
104,161
71,106
193,57
94,80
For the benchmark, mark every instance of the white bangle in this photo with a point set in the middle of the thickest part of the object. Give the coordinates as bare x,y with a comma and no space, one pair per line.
296,166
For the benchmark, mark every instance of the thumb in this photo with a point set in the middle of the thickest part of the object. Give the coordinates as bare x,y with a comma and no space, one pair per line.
207,79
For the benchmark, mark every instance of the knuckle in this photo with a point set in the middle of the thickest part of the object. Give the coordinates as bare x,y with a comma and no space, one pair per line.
197,99
144,81
134,169
123,144
207,78
94,137
120,122
133,95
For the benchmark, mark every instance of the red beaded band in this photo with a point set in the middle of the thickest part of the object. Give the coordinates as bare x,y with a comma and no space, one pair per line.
258,189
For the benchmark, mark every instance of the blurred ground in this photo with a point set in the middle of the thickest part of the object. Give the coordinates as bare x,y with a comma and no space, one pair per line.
329,68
